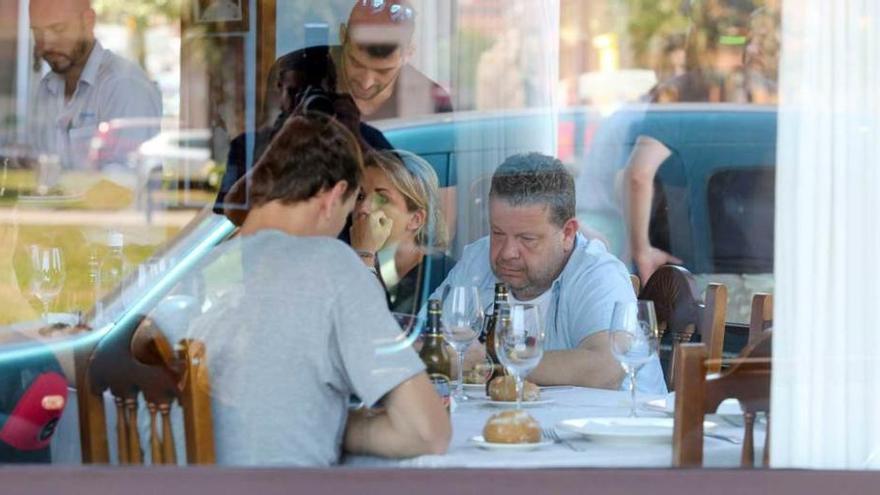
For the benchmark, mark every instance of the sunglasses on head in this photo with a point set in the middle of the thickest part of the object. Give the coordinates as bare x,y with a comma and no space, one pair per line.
398,12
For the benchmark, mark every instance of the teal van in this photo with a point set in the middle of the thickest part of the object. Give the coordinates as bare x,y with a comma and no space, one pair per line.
714,204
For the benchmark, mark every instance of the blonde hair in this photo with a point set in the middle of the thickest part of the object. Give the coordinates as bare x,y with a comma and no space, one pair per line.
416,180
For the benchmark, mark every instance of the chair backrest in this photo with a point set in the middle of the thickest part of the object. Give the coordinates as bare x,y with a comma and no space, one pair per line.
700,392
762,316
141,361
681,313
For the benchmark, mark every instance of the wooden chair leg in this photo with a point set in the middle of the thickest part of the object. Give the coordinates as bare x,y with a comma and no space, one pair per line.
170,454
155,444
766,456
748,448
92,417
121,431
134,443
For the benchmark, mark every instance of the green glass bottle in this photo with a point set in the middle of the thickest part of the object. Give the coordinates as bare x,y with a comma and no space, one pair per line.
491,324
434,354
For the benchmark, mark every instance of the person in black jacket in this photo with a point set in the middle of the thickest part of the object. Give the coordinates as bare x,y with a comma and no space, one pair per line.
306,82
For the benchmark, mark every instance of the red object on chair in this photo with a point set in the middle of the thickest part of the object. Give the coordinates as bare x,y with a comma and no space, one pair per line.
32,422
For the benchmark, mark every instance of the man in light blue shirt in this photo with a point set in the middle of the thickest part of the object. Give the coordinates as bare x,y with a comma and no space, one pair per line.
87,87
535,248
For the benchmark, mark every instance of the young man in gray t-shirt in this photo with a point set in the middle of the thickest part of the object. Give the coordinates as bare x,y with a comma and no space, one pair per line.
296,325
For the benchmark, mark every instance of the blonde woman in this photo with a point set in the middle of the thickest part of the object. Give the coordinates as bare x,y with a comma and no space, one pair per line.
398,227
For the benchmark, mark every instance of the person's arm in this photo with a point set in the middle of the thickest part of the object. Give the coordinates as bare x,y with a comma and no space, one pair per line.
380,371
414,422
645,160
590,364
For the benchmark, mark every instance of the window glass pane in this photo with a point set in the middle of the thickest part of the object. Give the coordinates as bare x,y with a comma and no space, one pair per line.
283,188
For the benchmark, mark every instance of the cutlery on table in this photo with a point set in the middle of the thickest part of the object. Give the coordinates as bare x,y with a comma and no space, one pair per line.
552,434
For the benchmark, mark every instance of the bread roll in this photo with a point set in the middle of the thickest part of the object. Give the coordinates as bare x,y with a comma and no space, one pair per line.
512,427
503,388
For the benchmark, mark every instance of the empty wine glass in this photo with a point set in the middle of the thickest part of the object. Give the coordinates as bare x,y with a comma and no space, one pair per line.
47,275
462,323
634,340
519,342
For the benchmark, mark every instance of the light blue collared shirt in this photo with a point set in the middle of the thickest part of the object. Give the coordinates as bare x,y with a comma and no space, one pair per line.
109,88
583,298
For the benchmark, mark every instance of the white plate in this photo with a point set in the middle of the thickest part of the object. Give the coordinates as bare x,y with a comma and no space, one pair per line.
483,444
525,403
728,407
474,387
481,387
49,200
643,429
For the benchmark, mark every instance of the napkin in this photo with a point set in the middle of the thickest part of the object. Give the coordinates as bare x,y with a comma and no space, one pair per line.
728,407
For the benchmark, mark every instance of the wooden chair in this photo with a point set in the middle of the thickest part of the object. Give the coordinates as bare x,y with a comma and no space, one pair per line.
681,313
700,392
761,320
142,361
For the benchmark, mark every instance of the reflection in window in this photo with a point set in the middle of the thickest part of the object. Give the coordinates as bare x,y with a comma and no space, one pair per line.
168,177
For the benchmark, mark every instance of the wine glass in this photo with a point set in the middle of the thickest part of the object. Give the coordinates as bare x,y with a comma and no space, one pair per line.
462,323
47,275
519,342
634,340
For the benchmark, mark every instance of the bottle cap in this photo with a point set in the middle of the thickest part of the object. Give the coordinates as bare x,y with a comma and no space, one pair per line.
115,239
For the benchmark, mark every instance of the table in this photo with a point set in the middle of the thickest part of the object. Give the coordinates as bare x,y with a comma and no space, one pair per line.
572,402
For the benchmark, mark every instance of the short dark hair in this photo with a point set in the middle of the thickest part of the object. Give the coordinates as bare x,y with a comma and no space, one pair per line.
533,178
312,65
309,154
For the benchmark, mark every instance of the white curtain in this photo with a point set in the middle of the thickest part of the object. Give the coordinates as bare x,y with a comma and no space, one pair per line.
517,77
826,376
432,39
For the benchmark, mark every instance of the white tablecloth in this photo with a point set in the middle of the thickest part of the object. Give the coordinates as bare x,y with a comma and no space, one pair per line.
468,420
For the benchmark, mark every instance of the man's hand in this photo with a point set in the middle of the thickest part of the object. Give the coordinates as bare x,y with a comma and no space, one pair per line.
413,422
473,356
650,259
370,232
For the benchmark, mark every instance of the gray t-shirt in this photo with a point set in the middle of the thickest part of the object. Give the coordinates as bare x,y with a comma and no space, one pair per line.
294,327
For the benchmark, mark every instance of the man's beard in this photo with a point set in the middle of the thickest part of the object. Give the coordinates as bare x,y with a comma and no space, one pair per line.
63,62
536,280
369,94
529,285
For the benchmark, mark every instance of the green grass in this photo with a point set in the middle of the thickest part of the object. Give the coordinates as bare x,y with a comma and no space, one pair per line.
77,242
78,293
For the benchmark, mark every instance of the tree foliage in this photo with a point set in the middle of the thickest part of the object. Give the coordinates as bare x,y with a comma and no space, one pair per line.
139,11
654,20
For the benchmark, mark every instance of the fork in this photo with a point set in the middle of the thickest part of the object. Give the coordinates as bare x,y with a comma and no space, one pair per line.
553,435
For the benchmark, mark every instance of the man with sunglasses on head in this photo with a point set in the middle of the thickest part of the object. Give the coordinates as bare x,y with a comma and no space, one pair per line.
88,85
373,63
